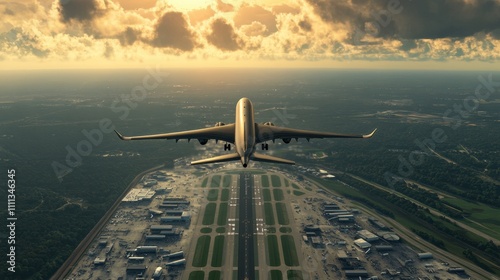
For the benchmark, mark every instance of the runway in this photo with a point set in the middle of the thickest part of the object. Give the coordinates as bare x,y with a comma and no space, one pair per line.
246,266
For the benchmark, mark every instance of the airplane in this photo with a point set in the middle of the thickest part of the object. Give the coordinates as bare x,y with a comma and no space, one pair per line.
245,134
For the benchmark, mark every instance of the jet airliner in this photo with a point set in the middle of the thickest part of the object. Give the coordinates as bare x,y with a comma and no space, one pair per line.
245,134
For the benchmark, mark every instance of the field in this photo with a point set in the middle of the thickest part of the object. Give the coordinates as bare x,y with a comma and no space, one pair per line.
268,214
266,194
204,182
226,183
215,182
224,196
212,195
218,251
265,181
214,275
485,215
201,251
278,195
209,216
275,275
276,181
289,250
273,254
197,275
294,274
282,214
222,218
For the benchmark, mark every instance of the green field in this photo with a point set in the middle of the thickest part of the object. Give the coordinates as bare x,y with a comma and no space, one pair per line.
479,213
218,251
206,230
287,183
294,275
275,275
220,230
214,275
204,182
295,186
215,182
222,218
278,195
285,229
226,183
265,181
209,216
213,195
298,193
276,181
224,195
289,250
282,214
201,251
273,254
197,275
268,214
266,193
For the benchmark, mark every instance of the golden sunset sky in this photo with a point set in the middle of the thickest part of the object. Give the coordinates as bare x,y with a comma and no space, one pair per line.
398,34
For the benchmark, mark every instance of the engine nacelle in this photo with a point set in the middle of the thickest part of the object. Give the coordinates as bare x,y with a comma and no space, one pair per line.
220,124
286,140
203,141
269,123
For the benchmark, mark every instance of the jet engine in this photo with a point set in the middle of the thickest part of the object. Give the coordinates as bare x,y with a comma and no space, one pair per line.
287,140
203,141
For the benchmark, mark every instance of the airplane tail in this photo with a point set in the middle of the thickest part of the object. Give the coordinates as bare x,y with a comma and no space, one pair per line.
267,158
222,158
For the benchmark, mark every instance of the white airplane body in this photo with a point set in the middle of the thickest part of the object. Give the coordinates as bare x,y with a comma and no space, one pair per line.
244,134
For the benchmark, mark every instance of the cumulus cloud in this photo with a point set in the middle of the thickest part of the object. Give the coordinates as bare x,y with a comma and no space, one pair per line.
200,15
423,19
79,30
223,36
172,31
248,14
80,10
224,7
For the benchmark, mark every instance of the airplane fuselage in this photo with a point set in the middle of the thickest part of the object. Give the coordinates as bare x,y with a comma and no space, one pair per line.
244,138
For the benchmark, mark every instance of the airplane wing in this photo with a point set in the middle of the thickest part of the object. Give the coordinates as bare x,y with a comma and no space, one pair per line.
267,133
222,133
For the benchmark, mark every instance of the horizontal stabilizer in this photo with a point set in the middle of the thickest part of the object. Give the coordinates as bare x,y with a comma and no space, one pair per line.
223,158
267,158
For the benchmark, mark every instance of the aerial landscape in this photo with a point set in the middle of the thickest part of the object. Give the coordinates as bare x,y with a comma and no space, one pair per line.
417,199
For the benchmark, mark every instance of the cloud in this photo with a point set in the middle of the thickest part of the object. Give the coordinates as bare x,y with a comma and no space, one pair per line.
248,14
80,10
129,36
172,31
223,36
224,7
200,15
423,19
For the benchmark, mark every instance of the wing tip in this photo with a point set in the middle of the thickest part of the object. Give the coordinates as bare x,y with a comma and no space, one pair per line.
120,135
371,134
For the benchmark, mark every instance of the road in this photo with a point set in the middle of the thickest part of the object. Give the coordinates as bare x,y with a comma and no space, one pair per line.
246,266
432,210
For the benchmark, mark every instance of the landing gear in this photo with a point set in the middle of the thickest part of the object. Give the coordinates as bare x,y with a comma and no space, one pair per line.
227,147
265,146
